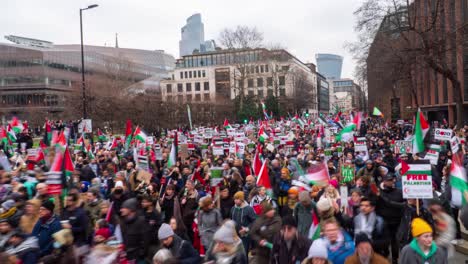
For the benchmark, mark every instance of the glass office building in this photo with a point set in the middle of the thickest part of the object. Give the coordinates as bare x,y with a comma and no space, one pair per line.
329,65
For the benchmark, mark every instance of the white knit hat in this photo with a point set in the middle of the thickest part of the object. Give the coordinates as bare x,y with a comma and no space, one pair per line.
226,233
318,249
165,231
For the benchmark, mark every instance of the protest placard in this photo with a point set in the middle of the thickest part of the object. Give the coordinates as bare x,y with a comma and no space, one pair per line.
216,175
432,156
403,146
218,150
348,173
85,126
454,144
417,182
443,134
361,144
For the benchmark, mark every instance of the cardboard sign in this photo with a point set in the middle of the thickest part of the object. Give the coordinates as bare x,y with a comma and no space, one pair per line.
454,145
417,182
144,176
443,134
85,126
403,146
183,151
240,148
218,150
361,144
432,156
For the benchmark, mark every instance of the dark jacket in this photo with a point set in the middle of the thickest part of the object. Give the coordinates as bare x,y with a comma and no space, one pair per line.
380,235
390,205
404,230
79,222
167,208
136,237
117,202
264,228
184,251
298,251
225,207
303,216
243,216
44,232
154,221
27,251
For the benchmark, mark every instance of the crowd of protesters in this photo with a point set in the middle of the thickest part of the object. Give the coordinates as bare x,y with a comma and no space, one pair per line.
107,213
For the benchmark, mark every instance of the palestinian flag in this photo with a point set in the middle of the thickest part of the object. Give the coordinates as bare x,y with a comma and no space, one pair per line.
346,134
299,121
48,133
79,146
458,182
377,112
4,137
61,141
262,135
263,178
257,163
421,127
68,166
314,230
265,111
173,155
139,135
128,134
226,124
40,157
89,152
11,134
322,120
101,136
16,125
317,174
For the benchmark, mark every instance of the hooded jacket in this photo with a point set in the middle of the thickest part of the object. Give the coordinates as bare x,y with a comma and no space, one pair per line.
338,252
303,216
208,223
44,232
243,215
390,205
411,253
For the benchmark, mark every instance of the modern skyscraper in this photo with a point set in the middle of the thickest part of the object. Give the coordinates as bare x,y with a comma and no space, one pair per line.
329,65
193,37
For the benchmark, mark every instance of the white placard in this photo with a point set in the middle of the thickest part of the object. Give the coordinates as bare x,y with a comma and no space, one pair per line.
361,144
85,126
218,150
417,182
149,141
454,145
443,134
432,156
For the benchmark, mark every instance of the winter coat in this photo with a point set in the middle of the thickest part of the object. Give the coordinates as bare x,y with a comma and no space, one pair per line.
225,207
64,255
189,208
43,231
136,238
27,251
339,255
167,208
235,256
404,230
298,250
412,254
117,202
264,228
184,251
243,215
390,205
375,259
303,216
366,172
153,220
79,222
208,223
379,235
93,210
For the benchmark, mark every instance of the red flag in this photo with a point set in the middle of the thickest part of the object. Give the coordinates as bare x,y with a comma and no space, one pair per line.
263,177
128,128
257,163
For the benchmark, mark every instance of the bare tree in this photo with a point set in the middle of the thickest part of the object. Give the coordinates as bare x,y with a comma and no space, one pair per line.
422,41
242,37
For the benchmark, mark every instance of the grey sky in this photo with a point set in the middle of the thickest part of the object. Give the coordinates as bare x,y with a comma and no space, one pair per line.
304,27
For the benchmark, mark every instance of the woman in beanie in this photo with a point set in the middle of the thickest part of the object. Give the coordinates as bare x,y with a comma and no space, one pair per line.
282,187
208,219
262,232
227,246
317,253
243,215
288,209
422,249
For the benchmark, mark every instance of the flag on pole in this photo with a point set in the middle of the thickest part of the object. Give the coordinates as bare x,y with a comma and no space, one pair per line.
101,136
128,134
262,135
265,111
377,112
314,231
263,178
317,174
420,130
16,125
189,113
458,182
257,163
226,124
48,133
139,135
172,156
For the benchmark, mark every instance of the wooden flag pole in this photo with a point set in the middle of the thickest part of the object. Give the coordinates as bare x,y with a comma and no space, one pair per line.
417,206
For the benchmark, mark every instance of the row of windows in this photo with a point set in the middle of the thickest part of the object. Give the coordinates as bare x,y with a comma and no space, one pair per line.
258,68
189,98
261,94
188,87
342,83
30,99
192,74
12,80
218,59
260,82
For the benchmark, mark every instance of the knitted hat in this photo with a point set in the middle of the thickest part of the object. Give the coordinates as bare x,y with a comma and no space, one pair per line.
289,220
8,204
165,231
64,237
47,204
104,232
323,205
239,195
293,190
318,249
333,183
360,238
226,234
130,204
304,196
419,227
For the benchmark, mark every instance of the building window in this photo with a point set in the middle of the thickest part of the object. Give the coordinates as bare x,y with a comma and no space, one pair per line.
185,75
270,92
188,87
189,98
172,76
194,74
256,69
197,97
206,96
266,68
260,93
261,69
180,88
282,92
250,83
169,88
285,68
206,86
199,74
181,75
251,93
281,80
190,74
180,98
197,86
252,69
203,73
259,82
269,81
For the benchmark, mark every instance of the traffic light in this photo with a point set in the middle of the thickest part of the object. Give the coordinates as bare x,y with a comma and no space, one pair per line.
307,113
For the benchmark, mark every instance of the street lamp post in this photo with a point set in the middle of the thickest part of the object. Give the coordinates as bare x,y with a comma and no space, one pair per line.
83,85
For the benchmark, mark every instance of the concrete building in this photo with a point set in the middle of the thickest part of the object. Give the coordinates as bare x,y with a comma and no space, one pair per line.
36,74
193,37
329,65
347,96
218,77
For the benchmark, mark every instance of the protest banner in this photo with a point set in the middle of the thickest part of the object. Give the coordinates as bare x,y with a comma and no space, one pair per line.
328,154
417,182
348,173
361,144
216,175
85,126
218,150
158,152
432,156
403,146
454,145
443,134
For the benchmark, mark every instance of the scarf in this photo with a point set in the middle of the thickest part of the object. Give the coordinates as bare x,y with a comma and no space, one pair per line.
366,224
338,243
8,213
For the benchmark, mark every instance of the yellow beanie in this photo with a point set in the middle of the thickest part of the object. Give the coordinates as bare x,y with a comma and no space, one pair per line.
419,227
239,195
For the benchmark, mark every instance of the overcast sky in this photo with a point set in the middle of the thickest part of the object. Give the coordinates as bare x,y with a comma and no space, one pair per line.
304,27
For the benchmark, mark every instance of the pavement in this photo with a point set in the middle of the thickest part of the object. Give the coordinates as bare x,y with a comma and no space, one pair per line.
459,259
